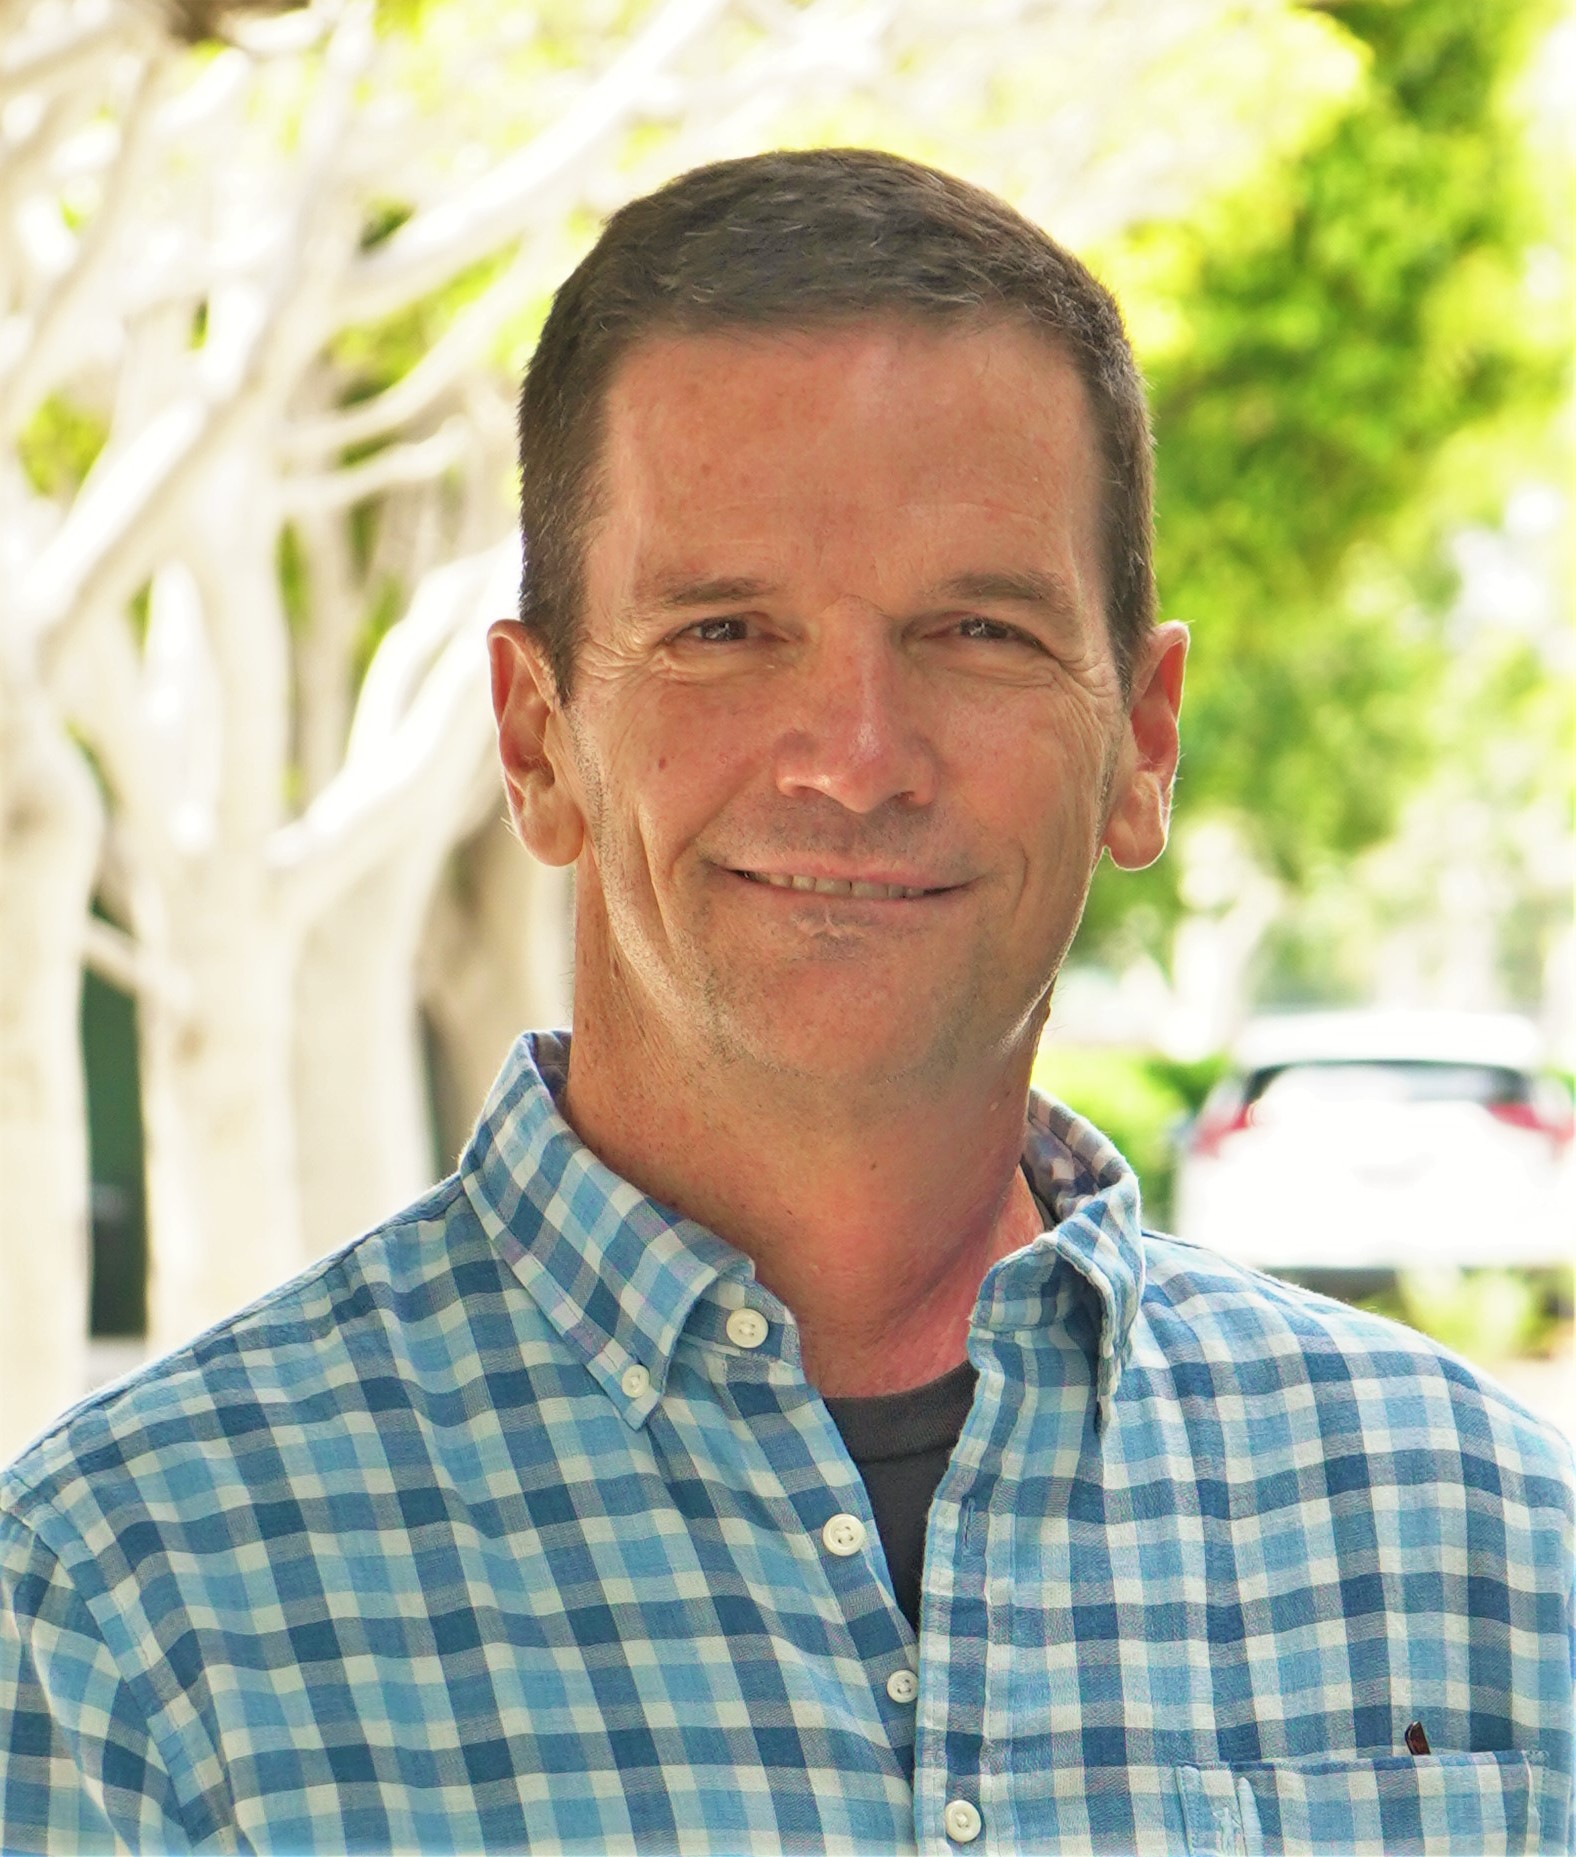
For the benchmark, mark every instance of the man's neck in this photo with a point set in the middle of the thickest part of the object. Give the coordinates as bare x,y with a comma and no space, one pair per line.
873,1223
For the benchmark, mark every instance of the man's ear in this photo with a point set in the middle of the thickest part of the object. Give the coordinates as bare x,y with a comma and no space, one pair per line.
536,768
1135,828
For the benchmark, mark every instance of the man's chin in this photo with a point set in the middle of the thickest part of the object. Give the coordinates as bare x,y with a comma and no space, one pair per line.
849,1054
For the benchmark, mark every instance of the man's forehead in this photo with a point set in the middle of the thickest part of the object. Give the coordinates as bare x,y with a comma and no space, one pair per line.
731,415
963,456
861,352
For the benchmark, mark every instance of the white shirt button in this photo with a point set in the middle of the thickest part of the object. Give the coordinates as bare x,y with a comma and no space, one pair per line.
844,1535
963,1824
635,1381
747,1328
902,1686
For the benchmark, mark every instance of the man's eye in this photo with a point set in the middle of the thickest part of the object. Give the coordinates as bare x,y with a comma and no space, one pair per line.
991,630
718,631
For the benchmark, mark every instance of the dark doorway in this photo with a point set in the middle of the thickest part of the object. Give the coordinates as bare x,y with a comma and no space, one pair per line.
117,1207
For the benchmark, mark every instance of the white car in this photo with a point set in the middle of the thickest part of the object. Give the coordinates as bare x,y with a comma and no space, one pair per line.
1368,1141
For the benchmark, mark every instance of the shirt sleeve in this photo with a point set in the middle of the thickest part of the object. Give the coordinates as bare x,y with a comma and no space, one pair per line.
79,1770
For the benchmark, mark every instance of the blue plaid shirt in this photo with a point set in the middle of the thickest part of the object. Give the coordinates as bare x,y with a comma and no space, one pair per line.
507,1528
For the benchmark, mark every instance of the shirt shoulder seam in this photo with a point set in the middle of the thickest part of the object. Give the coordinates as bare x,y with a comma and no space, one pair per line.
31,1474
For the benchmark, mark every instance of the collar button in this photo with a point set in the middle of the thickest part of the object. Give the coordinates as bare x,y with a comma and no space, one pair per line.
747,1328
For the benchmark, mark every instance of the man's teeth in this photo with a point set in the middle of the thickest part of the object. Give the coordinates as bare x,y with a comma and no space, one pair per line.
834,886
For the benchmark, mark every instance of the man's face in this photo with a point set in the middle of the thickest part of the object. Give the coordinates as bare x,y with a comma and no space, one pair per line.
847,734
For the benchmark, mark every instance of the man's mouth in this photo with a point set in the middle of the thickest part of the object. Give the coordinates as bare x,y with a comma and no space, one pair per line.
836,886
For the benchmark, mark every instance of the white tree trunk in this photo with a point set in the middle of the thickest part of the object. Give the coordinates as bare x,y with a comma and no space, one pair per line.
364,1133
497,959
50,827
222,1194
365,1130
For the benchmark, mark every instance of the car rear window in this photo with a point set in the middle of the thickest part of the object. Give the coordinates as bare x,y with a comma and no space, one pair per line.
1391,1081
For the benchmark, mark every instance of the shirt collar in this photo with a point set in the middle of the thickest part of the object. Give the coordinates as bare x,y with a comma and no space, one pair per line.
617,1273
1096,1230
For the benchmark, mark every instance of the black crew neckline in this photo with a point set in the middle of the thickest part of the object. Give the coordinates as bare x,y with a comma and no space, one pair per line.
881,1427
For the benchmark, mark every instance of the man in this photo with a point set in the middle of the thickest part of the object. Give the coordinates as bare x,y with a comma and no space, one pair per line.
779,1435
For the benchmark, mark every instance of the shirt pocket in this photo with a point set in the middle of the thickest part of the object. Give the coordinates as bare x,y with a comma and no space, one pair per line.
1434,1805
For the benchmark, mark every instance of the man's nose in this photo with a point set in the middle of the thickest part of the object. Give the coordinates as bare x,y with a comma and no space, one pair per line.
858,732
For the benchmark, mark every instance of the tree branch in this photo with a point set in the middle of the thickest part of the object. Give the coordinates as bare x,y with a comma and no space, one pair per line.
443,364
428,249
120,959
120,522
414,463
99,680
59,62
57,319
410,763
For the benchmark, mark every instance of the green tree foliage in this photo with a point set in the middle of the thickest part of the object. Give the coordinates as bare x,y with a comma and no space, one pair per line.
1335,328
58,446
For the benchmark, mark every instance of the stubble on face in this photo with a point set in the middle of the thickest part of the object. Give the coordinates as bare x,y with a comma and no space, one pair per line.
673,975
688,994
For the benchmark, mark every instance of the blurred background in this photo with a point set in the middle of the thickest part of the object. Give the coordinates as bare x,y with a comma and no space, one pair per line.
268,276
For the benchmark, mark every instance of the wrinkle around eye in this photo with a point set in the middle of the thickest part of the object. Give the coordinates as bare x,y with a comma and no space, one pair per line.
981,639
742,634
747,643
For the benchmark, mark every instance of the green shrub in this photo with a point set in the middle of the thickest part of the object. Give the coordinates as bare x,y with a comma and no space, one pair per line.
1486,1315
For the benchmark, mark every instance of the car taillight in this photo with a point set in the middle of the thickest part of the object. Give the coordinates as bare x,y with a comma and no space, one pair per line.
1212,1131
1558,1126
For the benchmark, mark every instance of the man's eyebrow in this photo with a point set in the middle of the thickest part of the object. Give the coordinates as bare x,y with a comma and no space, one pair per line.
1019,587
679,592
1025,587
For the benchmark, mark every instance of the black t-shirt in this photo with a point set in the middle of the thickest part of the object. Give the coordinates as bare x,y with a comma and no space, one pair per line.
901,1444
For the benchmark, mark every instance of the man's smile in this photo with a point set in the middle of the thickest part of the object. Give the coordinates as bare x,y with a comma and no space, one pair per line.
863,888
